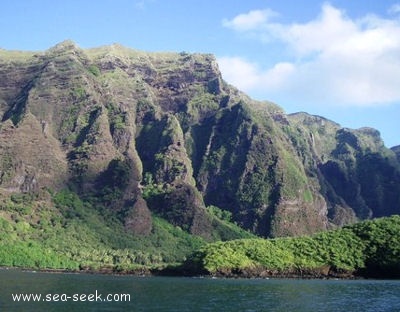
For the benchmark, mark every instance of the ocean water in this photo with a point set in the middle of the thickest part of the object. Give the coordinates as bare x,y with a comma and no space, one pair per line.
93,292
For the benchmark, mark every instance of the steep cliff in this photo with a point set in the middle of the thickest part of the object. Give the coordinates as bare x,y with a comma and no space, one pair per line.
161,133
396,150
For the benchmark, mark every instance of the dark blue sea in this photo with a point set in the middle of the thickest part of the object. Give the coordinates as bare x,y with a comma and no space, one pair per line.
92,292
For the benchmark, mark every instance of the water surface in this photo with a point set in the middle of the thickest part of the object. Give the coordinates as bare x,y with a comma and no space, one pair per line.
195,294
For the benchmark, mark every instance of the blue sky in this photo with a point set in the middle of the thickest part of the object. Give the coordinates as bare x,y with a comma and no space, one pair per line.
338,59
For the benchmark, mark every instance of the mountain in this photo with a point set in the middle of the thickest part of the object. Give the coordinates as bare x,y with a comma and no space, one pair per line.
144,137
396,150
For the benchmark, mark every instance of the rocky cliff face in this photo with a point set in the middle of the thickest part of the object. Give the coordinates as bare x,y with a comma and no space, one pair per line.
163,133
396,150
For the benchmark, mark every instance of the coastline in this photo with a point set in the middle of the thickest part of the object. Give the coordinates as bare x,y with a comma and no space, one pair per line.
251,273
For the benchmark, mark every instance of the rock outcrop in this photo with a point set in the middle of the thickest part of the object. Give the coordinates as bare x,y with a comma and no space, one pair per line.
163,132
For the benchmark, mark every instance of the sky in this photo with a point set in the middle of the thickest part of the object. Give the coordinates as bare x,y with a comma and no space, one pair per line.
338,59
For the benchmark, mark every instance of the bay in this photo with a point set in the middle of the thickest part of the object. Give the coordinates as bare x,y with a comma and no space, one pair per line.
192,294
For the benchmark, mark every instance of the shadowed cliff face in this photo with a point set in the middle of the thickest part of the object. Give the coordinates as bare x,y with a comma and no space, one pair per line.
396,150
163,132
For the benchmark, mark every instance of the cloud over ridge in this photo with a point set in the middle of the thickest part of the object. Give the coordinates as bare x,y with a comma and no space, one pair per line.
333,57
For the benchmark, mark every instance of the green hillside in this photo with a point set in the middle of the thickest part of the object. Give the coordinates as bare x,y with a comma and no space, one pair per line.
113,158
64,232
369,248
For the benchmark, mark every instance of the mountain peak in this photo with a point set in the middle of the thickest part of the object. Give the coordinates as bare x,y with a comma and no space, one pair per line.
66,45
165,127
308,119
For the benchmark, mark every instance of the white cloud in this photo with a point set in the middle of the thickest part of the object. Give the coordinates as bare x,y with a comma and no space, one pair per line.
248,21
329,30
240,72
394,9
248,76
336,58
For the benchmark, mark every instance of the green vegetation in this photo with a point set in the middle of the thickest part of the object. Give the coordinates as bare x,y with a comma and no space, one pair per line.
94,70
294,178
219,213
150,188
117,119
164,156
371,247
381,238
201,105
68,233
224,228
79,93
65,232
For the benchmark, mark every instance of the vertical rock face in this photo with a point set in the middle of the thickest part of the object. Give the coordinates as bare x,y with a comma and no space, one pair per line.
357,174
124,125
396,150
138,220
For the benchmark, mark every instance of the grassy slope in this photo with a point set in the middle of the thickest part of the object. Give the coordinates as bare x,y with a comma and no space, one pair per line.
63,232
370,247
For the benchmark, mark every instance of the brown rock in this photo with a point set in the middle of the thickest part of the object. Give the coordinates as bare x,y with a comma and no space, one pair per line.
138,220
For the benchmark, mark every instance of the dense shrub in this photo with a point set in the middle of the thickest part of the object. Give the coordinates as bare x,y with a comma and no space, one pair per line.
372,247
